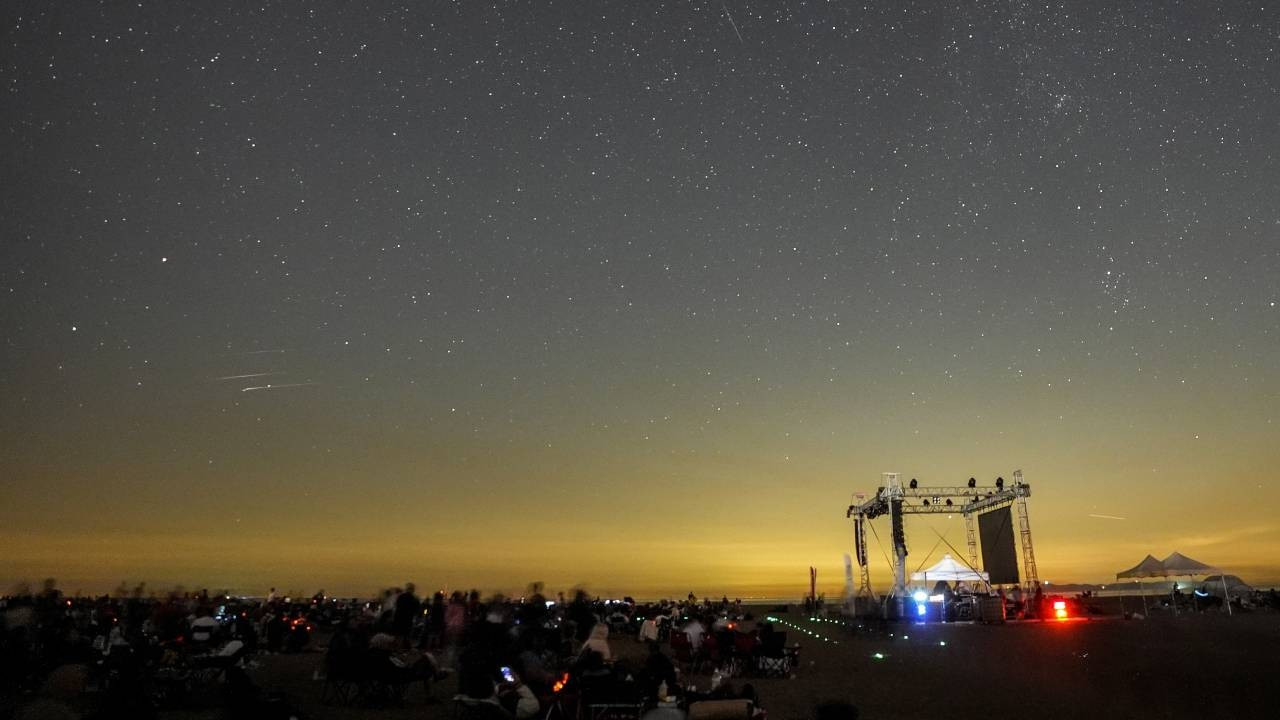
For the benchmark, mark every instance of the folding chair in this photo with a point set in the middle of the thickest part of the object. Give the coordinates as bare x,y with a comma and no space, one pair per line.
469,708
682,647
773,660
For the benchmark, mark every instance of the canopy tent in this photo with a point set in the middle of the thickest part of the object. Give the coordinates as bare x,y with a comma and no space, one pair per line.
1148,568
1177,565
951,571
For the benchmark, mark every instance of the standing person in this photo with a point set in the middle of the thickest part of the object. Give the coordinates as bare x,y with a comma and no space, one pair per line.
695,630
434,639
406,611
455,624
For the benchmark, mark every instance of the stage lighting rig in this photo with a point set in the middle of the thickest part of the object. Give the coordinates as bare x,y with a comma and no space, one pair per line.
897,501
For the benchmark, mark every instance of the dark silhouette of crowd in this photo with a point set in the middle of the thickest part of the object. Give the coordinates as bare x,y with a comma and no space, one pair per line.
137,654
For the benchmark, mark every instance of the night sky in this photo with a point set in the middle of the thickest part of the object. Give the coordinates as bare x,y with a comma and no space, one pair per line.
629,294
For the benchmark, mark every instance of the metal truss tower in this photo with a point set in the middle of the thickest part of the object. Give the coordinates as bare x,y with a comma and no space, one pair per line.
971,539
1024,531
897,501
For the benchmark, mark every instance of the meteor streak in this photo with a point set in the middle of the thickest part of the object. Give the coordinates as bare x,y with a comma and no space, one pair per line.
277,387
248,375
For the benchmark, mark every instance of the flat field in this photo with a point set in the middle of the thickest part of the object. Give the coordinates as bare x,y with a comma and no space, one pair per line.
1191,666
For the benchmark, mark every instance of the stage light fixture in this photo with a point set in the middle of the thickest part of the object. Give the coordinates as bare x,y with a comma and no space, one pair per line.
926,502
948,502
1000,482
973,482
914,484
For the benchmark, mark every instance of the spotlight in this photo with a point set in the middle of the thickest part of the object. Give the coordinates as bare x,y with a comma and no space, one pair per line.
999,482
973,482
920,596
914,484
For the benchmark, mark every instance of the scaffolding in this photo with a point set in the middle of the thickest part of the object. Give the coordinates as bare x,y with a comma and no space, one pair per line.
1029,575
971,539
970,500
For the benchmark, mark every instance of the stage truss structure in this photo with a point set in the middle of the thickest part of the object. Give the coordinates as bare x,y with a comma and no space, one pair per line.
894,499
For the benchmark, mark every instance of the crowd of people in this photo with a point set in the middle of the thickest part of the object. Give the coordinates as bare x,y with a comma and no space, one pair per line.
521,657
517,658
530,656
129,656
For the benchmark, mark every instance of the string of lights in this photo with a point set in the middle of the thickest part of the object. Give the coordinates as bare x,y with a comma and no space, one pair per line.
810,633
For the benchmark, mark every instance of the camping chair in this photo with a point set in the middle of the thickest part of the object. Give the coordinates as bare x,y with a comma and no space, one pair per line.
773,660
708,656
469,708
721,710
609,698
342,680
743,658
389,677
211,668
682,647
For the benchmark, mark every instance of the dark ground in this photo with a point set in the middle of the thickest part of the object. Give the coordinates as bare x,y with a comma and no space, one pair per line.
1192,666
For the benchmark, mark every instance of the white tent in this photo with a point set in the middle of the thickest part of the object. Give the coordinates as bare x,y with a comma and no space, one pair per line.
1226,586
1174,566
1179,565
949,570
1149,567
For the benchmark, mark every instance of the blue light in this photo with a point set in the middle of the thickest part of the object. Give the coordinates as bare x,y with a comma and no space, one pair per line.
920,609
920,597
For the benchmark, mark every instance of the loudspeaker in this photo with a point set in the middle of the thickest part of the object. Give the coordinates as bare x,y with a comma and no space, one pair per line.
999,556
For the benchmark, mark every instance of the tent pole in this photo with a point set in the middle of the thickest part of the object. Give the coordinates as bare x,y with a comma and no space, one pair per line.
1226,595
1142,590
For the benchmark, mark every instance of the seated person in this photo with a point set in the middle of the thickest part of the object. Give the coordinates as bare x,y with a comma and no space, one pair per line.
598,642
203,629
649,630
658,669
512,696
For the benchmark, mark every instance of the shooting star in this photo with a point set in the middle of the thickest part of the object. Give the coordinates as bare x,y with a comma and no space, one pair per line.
277,387
246,376
1107,517
732,24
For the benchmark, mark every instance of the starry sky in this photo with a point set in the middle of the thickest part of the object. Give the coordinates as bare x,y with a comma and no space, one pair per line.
630,295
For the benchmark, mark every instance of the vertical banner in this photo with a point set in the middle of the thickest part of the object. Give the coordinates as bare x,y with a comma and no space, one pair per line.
999,556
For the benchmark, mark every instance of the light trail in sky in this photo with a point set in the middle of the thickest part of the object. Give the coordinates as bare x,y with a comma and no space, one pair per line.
277,387
247,375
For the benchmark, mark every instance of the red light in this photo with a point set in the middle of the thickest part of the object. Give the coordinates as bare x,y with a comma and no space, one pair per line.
559,684
1060,609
